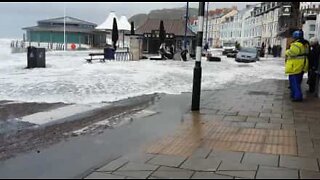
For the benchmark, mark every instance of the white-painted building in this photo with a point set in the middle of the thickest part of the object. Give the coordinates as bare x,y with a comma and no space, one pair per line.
214,26
310,11
239,24
215,22
310,7
237,27
247,29
258,25
309,27
318,27
268,18
263,23
205,29
226,27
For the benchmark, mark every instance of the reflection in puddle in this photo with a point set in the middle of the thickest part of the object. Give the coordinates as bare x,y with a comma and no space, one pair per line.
200,130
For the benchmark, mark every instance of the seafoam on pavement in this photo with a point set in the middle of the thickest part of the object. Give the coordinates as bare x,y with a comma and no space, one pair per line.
120,120
68,78
43,118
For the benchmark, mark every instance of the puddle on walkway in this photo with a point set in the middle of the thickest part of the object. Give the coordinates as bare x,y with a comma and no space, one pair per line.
200,130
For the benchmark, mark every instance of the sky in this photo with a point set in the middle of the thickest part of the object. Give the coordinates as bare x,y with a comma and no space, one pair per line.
14,16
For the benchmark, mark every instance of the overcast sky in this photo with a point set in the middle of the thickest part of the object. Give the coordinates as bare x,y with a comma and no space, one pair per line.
15,16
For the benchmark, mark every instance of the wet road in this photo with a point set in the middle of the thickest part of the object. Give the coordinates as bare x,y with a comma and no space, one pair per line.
78,155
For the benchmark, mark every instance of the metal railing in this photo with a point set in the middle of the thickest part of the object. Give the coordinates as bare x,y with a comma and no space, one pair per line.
123,56
49,46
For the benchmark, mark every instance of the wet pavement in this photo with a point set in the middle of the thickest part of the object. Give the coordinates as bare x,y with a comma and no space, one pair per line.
78,156
248,131
32,137
251,131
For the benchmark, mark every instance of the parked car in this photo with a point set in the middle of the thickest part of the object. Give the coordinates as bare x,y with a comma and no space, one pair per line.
232,54
228,48
247,55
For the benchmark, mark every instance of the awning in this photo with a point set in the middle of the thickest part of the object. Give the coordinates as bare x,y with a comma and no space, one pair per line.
108,23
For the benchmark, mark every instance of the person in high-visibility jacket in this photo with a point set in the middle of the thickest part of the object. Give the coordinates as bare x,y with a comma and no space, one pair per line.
297,63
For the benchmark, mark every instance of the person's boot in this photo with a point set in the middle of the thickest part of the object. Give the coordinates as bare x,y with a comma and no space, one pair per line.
296,100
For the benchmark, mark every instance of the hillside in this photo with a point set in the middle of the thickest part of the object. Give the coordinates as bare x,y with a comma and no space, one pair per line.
138,19
176,13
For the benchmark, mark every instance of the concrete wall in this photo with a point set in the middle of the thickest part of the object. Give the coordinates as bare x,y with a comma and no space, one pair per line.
136,47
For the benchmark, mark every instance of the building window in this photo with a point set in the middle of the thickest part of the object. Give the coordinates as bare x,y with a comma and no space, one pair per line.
312,27
311,35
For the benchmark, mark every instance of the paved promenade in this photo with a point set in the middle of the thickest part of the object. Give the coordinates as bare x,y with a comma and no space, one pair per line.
251,131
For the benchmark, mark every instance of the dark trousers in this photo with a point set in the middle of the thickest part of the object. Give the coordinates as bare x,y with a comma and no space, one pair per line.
295,86
312,80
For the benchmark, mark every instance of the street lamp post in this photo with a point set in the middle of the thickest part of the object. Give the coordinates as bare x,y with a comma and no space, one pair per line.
64,28
207,22
186,27
197,69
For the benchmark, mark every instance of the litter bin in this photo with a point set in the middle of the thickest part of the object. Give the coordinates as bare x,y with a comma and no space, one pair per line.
108,53
31,57
36,57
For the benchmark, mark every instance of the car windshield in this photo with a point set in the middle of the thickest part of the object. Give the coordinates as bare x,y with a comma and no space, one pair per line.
228,44
250,50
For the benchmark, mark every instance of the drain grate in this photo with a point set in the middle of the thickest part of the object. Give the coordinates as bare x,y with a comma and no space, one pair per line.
264,93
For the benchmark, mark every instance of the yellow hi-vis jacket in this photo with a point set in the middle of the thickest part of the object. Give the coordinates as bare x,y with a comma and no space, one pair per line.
297,58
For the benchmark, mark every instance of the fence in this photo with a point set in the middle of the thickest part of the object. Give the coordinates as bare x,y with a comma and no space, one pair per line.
49,46
123,56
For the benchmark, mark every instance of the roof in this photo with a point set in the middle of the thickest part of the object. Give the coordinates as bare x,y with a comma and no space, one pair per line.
217,16
192,20
108,23
219,12
247,8
175,26
124,24
59,29
69,20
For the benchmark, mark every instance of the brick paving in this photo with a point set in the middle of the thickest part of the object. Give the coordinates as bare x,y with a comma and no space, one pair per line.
251,131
